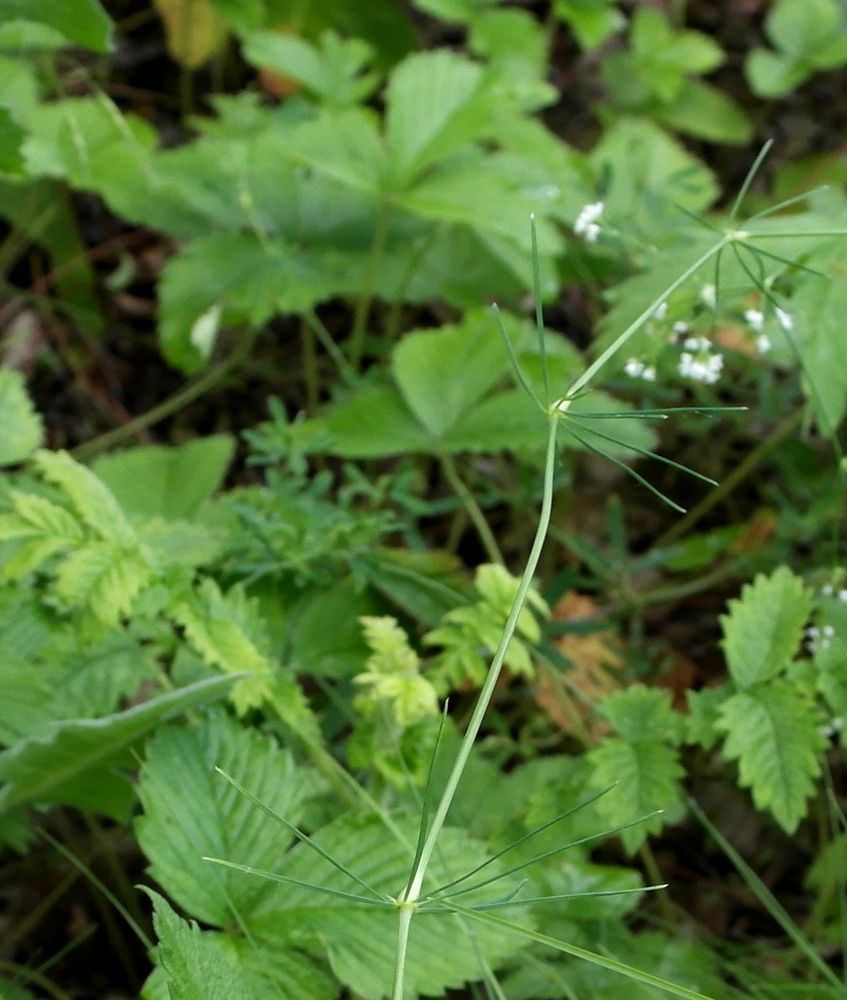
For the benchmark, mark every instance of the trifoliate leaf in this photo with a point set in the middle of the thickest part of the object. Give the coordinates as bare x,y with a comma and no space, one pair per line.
646,777
192,812
359,940
772,731
23,431
763,629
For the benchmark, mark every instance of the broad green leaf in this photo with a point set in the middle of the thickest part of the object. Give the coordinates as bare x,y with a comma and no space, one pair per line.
644,167
771,74
707,113
514,38
90,497
169,482
23,430
372,423
246,278
332,70
763,629
442,374
192,812
344,146
772,731
25,701
82,21
646,777
359,940
592,21
641,713
437,103
703,714
800,27
75,762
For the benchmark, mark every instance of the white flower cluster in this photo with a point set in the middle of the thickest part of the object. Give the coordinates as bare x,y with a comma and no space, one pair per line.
697,361
819,638
637,369
586,221
829,591
834,728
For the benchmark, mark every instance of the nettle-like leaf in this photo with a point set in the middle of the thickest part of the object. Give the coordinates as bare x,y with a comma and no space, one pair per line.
642,763
78,761
23,430
206,965
228,632
90,497
358,939
469,635
192,812
103,578
773,731
763,629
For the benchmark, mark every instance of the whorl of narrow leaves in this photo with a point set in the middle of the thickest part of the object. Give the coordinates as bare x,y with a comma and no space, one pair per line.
763,629
773,733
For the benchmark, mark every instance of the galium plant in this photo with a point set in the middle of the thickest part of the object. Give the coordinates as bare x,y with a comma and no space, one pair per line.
459,894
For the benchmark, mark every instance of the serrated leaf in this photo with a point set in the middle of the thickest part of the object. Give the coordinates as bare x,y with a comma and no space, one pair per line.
169,482
646,777
227,632
703,714
75,762
23,431
192,812
437,103
772,731
197,966
640,713
103,578
763,629
83,21
89,496
703,111
359,940
344,146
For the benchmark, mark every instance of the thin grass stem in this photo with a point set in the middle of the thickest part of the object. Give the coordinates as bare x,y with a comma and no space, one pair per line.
748,180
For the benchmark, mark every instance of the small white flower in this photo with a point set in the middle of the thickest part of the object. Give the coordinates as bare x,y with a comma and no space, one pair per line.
660,311
763,344
709,295
819,638
828,631
755,318
649,374
634,368
697,344
785,320
586,221
680,328
842,596
827,591
702,367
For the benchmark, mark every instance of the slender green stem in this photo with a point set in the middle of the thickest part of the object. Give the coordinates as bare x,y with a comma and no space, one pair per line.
486,536
642,318
363,305
413,890
31,976
173,404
